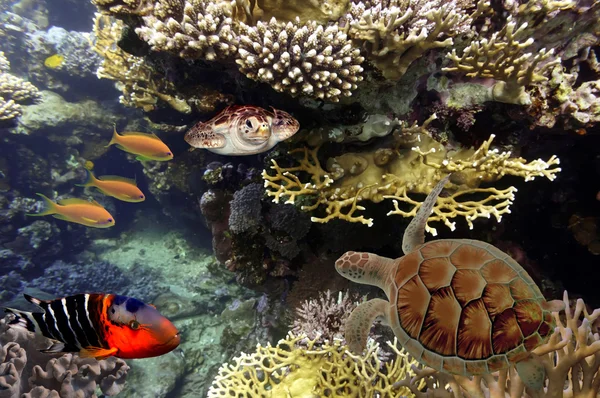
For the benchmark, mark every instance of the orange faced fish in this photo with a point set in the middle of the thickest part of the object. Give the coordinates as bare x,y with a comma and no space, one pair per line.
146,146
99,326
118,187
90,214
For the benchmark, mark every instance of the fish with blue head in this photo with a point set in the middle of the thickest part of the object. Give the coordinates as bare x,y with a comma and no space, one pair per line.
99,326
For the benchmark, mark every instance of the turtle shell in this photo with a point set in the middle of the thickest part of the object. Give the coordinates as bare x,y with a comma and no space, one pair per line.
465,307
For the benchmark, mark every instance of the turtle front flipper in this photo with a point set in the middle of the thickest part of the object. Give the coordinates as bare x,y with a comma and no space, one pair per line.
532,372
360,321
414,235
202,135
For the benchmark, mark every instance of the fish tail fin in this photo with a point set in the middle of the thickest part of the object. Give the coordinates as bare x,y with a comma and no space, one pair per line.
115,137
90,180
48,207
22,320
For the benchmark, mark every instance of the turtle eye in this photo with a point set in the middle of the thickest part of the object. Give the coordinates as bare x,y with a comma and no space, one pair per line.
249,123
135,325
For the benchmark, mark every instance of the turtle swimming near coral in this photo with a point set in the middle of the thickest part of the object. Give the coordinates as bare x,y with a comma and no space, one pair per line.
243,130
459,306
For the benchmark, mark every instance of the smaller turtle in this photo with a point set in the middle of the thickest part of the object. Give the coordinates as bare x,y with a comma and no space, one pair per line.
243,130
459,306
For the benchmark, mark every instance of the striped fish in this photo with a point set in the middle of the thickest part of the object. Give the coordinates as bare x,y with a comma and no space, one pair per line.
99,326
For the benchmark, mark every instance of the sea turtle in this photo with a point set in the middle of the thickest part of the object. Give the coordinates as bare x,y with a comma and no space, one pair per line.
243,130
459,306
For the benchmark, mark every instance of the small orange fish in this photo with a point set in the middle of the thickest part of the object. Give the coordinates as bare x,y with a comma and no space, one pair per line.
146,146
99,326
90,214
118,187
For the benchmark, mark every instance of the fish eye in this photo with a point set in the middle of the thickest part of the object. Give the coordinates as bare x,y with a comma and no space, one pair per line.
109,220
141,196
249,123
169,153
135,325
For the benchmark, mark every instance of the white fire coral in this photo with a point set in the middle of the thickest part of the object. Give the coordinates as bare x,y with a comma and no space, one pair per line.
299,59
204,31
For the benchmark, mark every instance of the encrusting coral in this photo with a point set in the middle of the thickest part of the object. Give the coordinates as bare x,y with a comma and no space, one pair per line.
135,78
396,33
297,367
503,58
412,166
13,92
24,371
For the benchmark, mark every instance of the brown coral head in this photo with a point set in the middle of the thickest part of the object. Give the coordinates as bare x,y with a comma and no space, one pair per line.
383,156
284,125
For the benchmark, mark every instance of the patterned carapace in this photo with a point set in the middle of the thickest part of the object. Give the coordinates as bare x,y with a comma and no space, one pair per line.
243,130
459,306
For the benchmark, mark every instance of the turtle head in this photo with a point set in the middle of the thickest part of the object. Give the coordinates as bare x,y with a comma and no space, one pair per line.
283,125
367,268
254,129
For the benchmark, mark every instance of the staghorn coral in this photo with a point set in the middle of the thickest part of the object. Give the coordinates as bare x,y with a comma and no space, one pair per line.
13,92
396,33
297,366
203,31
502,57
307,59
571,359
412,167
24,371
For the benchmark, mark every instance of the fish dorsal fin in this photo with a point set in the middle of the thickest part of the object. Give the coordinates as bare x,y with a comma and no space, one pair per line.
117,178
137,133
34,300
74,201
97,352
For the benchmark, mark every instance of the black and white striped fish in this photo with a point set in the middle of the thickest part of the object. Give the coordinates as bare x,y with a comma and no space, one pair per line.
99,326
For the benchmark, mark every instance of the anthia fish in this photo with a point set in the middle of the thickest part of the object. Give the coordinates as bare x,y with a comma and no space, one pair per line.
146,146
100,326
80,211
118,187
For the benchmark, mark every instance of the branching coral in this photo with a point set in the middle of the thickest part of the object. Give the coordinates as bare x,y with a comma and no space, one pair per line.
320,11
571,359
135,78
135,7
13,92
503,58
299,59
412,167
203,31
297,366
396,34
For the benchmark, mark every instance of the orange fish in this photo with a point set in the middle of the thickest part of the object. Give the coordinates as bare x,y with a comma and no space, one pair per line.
146,146
99,326
118,187
90,214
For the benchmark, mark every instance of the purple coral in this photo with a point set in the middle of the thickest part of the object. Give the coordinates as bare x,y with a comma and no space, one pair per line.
26,372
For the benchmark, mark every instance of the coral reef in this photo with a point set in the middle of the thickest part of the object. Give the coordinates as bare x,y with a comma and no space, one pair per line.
298,59
14,91
297,366
413,164
27,372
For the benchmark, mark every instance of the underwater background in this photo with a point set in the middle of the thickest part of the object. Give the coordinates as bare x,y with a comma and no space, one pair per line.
238,249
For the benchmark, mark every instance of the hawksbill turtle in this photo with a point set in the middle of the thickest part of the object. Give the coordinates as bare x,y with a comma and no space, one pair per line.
243,130
459,306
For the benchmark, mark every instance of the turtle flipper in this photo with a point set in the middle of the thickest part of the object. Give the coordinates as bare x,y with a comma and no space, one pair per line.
360,321
532,372
415,232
